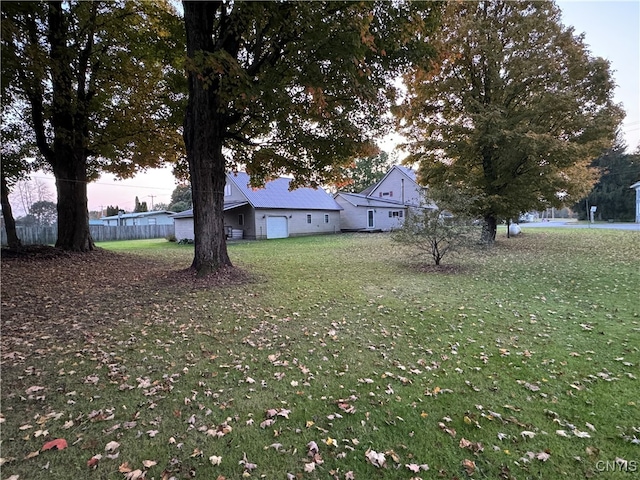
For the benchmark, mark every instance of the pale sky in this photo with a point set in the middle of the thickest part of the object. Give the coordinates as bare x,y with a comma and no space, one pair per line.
612,31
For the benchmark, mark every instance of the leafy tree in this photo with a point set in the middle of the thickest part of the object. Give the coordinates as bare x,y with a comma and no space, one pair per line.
287,87
45,212
513,110
433,233
101,85
365,172
612,195
14,168
140,207
112,211
181,198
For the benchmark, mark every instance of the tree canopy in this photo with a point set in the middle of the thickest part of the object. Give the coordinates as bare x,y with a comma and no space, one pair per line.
513,110
364,172
288,87
181,198
100,86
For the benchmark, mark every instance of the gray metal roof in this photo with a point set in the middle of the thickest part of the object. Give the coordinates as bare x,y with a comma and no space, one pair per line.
359,200
227,206
138,214
276,194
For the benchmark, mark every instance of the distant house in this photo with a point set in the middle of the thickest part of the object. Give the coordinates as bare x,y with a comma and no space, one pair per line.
382,206
273,211
160,217
637,187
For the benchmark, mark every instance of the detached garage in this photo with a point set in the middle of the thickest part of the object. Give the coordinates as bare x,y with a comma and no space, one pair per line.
273,211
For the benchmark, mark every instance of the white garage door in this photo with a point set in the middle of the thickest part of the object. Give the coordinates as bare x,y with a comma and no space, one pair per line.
277,227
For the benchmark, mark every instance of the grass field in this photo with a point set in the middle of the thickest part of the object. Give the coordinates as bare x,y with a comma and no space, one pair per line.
339,357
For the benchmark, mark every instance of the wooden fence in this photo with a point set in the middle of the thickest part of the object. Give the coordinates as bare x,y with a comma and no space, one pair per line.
100,233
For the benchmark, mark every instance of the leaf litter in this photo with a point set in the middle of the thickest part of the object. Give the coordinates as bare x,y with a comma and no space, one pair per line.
379,397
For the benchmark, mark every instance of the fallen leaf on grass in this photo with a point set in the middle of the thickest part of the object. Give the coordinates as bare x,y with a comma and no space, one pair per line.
376,459
445,429
415,468
544,456
135,475
469,466
59,443
34,389
93,461
475,447
248,466
215,460
111,447
149,463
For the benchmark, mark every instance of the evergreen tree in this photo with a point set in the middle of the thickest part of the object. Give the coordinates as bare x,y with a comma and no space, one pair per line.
612,195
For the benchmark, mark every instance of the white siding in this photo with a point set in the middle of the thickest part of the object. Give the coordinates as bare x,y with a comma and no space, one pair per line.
255,222
356,218
297,222
184,228
398,187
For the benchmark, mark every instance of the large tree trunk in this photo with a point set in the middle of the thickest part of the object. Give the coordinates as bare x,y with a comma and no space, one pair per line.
489,230
73,212
203,137
9,222
68,157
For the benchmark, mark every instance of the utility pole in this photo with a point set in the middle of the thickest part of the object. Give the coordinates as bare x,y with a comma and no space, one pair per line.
152,197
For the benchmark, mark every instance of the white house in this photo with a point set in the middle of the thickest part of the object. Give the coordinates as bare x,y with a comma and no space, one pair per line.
159,217
637,187
382,206
273,211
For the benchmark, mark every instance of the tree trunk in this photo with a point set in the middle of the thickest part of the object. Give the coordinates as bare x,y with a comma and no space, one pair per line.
73,212
489,230
204,136
9,222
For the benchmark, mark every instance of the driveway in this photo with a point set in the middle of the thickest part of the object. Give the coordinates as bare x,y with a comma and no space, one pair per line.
574,224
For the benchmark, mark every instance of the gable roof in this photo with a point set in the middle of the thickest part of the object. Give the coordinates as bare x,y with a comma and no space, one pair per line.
276,194
359,200
408,172
635,185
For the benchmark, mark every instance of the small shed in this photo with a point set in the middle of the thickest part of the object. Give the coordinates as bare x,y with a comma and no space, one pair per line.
158,217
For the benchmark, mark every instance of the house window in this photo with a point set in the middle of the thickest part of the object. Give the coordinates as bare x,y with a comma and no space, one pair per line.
396,214
227,190
370,222
386,194
326,218
241,219
308,218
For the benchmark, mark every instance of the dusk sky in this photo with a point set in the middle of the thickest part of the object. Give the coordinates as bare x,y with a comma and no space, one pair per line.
612,31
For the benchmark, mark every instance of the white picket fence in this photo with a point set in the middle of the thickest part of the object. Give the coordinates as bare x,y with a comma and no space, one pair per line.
99,233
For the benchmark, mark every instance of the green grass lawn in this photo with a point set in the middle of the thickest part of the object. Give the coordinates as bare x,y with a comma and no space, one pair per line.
345,357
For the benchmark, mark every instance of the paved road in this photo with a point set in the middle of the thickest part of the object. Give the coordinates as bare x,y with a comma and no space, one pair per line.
574,224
